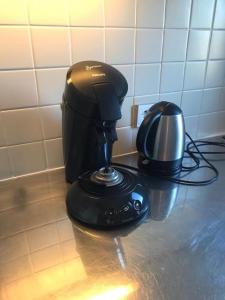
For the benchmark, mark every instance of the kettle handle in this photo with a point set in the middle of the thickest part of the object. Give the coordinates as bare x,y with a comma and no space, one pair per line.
143,132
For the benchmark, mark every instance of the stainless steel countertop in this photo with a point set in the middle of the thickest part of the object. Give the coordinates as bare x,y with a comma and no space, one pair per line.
176,252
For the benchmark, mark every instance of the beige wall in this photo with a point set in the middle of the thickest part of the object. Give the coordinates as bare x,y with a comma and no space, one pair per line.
172,50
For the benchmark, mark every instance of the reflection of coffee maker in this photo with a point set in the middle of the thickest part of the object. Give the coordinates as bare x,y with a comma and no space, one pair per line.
106,267
162,196
101,195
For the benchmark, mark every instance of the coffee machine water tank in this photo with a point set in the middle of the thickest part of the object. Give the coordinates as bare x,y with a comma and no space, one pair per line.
93,94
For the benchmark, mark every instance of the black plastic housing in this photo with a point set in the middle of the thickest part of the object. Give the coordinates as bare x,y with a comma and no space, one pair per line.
101,206
92,98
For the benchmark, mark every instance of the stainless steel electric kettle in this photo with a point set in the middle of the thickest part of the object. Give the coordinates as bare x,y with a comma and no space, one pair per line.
160,139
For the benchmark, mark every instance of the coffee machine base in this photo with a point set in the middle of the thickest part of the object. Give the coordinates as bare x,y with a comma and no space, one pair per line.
99,205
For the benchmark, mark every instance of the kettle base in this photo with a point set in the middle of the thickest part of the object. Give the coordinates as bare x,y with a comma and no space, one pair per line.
107,206
162,168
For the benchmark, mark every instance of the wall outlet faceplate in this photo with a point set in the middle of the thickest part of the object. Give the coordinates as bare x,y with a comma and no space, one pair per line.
142,110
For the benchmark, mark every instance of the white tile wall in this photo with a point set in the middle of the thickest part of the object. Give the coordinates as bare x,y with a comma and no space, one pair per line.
15,50
178,13
27,158
2,135
191,102
126,113
148,45
50,85
120,13
17,15
172,77
217,49
209,123
191,125
219,22
18,89
194,75
115,52
170,50
50,46
150,13
22,126
125,138
202,13
54,153
146,99
87,44
213,100
215,73
86,13
198,44
171,97
147,79
51,118
6,171
49,12
174,37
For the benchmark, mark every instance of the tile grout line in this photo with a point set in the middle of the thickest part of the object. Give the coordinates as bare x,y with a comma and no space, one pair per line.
42,68
101,27
186,54
135,49
207,63
32,57
162,48
132,110
104,28
209,45
69,32
36,87
10,161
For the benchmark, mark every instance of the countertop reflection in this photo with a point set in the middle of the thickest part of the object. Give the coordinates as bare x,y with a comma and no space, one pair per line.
176,252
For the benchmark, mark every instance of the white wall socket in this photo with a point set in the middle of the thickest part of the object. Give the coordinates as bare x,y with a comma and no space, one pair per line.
142,110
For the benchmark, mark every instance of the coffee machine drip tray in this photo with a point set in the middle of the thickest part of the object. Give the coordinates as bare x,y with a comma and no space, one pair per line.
95,201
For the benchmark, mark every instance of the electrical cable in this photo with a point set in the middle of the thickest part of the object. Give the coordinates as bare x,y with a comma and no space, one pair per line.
193,152
205,143
196,159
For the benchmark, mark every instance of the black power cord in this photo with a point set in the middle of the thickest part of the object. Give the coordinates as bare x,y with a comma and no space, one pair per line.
193,152
192,144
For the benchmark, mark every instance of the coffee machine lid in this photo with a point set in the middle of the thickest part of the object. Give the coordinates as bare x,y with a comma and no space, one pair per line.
83,76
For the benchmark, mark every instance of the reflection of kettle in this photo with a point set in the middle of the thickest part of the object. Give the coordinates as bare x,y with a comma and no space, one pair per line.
162,197
160,139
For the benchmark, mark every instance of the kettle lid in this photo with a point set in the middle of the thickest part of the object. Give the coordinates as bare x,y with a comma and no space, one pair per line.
170,109
167,108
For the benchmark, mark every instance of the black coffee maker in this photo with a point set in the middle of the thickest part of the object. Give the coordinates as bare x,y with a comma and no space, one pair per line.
100,195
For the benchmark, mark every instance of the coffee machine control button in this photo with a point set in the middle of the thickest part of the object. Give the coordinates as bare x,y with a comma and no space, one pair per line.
137,205
109,212
124,208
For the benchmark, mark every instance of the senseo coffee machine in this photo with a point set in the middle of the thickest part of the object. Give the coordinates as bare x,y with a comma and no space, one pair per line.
101,194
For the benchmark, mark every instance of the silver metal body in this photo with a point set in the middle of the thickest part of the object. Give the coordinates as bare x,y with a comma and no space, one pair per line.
170,138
